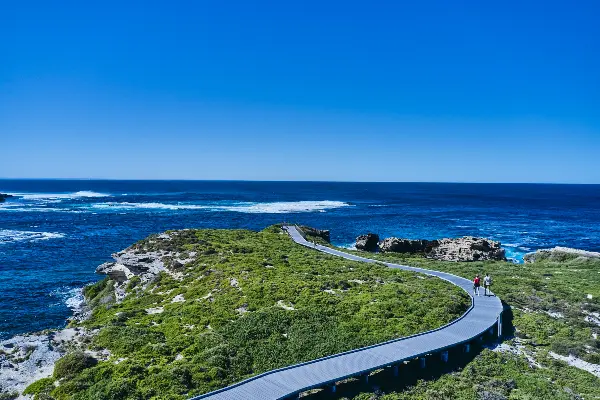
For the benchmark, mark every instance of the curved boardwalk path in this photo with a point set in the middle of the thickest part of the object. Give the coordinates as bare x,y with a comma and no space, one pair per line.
482,316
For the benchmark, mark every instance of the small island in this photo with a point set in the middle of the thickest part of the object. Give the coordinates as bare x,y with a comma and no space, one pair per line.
4,196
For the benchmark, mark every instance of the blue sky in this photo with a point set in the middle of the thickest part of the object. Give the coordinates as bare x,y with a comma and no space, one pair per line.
355,91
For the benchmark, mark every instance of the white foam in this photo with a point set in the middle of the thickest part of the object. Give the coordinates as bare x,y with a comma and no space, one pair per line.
71,297
8,236
286,207
133,206
20,208
251,208
58,196
76,299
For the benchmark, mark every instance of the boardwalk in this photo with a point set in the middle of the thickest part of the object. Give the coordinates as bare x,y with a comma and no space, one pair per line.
484,314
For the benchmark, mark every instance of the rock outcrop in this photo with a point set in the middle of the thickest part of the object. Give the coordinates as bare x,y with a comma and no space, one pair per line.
367,242
467,248
321,233
146,261
398,245
4,196
128,264
559,254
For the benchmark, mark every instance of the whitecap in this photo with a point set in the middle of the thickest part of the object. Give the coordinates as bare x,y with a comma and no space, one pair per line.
20,208
286,207
155,206
245,207
54,197
9,236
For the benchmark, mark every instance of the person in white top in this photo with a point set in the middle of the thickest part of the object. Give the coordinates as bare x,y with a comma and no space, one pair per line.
487,282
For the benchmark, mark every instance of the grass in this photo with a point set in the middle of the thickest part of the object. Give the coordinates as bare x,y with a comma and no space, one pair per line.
252,302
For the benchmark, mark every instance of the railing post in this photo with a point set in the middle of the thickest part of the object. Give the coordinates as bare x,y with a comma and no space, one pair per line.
467,348
333,388
423,362
395,368
367,377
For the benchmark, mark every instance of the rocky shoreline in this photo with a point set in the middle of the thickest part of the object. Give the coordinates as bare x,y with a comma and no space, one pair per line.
27,358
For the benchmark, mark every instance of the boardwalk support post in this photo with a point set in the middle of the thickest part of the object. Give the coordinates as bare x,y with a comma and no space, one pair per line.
396,370
444,356
422,361
500,325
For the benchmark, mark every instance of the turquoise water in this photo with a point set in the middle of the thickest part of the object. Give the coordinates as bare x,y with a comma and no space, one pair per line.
54,233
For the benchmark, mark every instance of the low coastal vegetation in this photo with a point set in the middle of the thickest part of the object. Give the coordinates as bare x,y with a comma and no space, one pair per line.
246,302
554,306
230,304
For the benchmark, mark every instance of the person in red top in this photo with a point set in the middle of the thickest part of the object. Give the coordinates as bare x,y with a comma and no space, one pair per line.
476,285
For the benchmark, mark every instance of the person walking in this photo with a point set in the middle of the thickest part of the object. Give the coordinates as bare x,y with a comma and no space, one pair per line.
487,282
476,285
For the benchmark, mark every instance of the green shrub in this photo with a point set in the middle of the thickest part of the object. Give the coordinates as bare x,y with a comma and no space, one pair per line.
40,389
73,363
133,282
91,291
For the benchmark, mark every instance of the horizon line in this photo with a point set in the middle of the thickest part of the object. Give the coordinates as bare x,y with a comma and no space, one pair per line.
292,181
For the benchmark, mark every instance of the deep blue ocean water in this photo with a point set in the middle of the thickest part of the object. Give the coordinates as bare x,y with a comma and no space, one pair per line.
55,232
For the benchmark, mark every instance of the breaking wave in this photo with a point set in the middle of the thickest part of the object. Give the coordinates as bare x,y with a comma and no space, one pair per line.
59,196
9,236
71,297
252,208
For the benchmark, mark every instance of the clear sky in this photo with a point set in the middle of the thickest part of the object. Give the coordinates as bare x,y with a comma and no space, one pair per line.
478,91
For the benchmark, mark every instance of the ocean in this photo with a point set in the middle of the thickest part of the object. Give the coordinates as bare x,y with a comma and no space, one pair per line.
54,233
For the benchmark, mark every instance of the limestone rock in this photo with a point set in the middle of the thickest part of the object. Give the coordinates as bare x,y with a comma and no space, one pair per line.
467,248
399,245
367,242
559,254
146,263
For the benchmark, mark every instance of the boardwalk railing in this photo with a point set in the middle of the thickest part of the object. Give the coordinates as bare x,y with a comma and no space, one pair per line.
482,315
